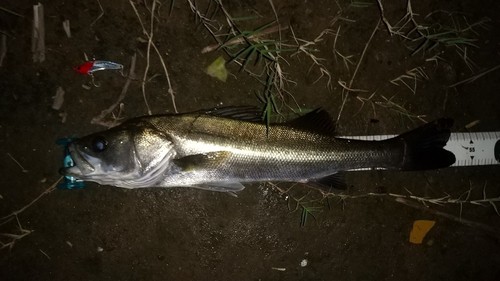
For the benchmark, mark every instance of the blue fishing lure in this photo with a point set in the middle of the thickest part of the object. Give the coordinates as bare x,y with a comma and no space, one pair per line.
69,182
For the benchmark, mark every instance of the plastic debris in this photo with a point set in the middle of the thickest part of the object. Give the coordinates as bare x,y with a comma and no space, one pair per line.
67,28
217,69
3,49
420,230
64,116
58,99
86,87
38,36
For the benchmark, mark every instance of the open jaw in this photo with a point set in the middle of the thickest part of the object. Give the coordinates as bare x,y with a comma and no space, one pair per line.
81,166
88,168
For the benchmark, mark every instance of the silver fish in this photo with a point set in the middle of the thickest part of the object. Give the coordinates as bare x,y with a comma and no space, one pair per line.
221,149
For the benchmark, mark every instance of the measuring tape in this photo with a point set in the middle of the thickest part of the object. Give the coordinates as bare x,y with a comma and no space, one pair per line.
470,149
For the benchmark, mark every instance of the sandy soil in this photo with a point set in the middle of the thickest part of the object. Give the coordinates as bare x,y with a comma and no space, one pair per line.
107,233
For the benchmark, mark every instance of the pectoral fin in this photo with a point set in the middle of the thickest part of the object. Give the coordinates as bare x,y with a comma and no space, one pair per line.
202,161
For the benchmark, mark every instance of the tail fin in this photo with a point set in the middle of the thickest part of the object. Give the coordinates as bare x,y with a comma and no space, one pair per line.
424,146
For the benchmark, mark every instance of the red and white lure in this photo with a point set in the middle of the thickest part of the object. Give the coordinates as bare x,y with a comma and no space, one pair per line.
89,67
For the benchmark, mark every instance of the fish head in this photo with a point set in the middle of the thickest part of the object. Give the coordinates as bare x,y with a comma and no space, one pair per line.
129,156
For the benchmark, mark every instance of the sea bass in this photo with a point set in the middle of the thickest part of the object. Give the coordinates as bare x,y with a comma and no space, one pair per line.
221,149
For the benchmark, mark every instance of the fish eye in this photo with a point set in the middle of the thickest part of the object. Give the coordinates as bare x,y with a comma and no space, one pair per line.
99,144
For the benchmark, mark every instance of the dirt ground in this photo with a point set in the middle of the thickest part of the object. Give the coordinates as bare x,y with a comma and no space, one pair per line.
108,233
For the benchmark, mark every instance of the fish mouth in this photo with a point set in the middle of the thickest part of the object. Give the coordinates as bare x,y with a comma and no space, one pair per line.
81,166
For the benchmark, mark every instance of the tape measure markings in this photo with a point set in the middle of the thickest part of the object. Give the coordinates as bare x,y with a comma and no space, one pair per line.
470,149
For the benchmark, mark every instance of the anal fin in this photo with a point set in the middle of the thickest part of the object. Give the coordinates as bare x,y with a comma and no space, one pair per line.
331,183
221,186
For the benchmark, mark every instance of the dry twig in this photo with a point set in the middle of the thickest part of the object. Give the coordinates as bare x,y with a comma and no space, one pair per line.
344,92
390,104
425,203
17,162
100,14
473,78
11,12
346,59
149,35
13,238
414,75
100,119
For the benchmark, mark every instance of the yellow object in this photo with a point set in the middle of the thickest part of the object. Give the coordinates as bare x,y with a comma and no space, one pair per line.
218,69
419,230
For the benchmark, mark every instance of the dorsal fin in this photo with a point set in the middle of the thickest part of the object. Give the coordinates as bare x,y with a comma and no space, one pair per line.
244,113
317,121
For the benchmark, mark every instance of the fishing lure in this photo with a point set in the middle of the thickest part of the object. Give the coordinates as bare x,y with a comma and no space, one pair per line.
89,67
69,182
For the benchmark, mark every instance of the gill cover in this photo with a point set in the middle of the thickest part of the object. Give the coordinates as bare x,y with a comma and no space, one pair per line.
133,153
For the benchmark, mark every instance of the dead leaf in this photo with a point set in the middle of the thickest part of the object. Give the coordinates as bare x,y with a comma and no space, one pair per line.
419,230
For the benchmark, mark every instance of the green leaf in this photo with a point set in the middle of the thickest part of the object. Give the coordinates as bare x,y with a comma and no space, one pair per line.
217,69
